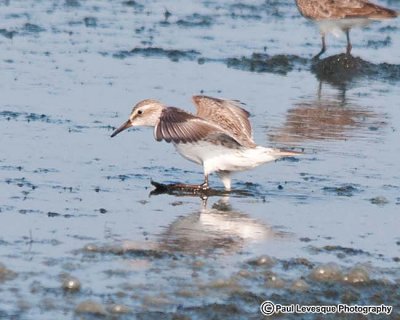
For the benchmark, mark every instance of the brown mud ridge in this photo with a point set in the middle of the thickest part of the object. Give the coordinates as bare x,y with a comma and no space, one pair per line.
341,68
262,62
172,54
336,69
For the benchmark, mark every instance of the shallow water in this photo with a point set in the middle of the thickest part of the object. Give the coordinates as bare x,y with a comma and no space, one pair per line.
76,203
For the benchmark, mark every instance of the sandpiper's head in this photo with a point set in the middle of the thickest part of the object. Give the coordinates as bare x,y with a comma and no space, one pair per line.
144,113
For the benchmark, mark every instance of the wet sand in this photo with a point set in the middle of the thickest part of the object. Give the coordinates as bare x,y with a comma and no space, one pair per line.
81,236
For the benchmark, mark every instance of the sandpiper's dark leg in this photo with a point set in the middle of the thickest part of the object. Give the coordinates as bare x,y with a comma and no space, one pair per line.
323,49
349,46
204,185
319,90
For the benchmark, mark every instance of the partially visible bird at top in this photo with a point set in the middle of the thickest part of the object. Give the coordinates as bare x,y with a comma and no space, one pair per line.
336,16
219,137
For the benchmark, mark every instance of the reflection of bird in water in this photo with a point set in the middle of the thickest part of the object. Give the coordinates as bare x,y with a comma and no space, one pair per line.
218,137
325,118
220,227
338,16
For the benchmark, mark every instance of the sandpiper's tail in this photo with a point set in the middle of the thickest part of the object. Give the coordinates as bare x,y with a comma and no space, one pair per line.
378,12
243,159
259,155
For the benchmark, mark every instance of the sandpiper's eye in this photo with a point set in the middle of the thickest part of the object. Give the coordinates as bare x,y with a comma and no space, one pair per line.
139,112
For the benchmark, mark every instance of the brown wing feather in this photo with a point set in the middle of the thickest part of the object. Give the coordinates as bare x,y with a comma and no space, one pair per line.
341,9
178,126
228,115
361,9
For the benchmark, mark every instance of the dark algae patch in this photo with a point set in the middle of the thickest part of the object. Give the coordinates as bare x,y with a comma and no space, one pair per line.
132,252
336,69
262,62
195,20
346,190
7,33
33,28
172,54
29,116
344,68
345,250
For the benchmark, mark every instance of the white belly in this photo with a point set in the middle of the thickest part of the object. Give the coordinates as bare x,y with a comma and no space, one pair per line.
220,158
337,26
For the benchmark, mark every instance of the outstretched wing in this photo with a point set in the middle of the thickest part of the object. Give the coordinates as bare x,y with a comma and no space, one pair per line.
178,126
228,115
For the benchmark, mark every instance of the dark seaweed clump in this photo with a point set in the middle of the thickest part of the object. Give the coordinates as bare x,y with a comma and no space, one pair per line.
347,190
133,4
344,68
8,34
195,20
33,28
261,62
13,115
172,54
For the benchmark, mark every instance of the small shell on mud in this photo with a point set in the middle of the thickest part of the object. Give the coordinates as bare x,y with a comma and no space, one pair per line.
91,248
198,264
230,283
92,307
274,281
71,284
6,274
356,275
299,285
245,274
262,261
326,272
156,301
118,309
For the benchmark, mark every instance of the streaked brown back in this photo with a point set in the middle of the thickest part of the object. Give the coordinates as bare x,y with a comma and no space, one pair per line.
342,9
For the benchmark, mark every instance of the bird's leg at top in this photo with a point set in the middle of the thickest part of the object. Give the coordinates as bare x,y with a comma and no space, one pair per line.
349,46
323,49
225,177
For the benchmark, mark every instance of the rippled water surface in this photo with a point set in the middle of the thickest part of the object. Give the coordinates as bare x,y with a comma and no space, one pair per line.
82,237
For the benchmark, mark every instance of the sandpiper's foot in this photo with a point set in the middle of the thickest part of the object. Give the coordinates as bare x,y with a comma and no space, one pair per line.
203,191
194,187
181,186
204,186
316,57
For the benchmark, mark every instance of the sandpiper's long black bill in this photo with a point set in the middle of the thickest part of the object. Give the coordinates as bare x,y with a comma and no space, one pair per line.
126,125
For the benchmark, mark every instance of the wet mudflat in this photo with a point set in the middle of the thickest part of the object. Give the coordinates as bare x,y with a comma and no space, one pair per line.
81,236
